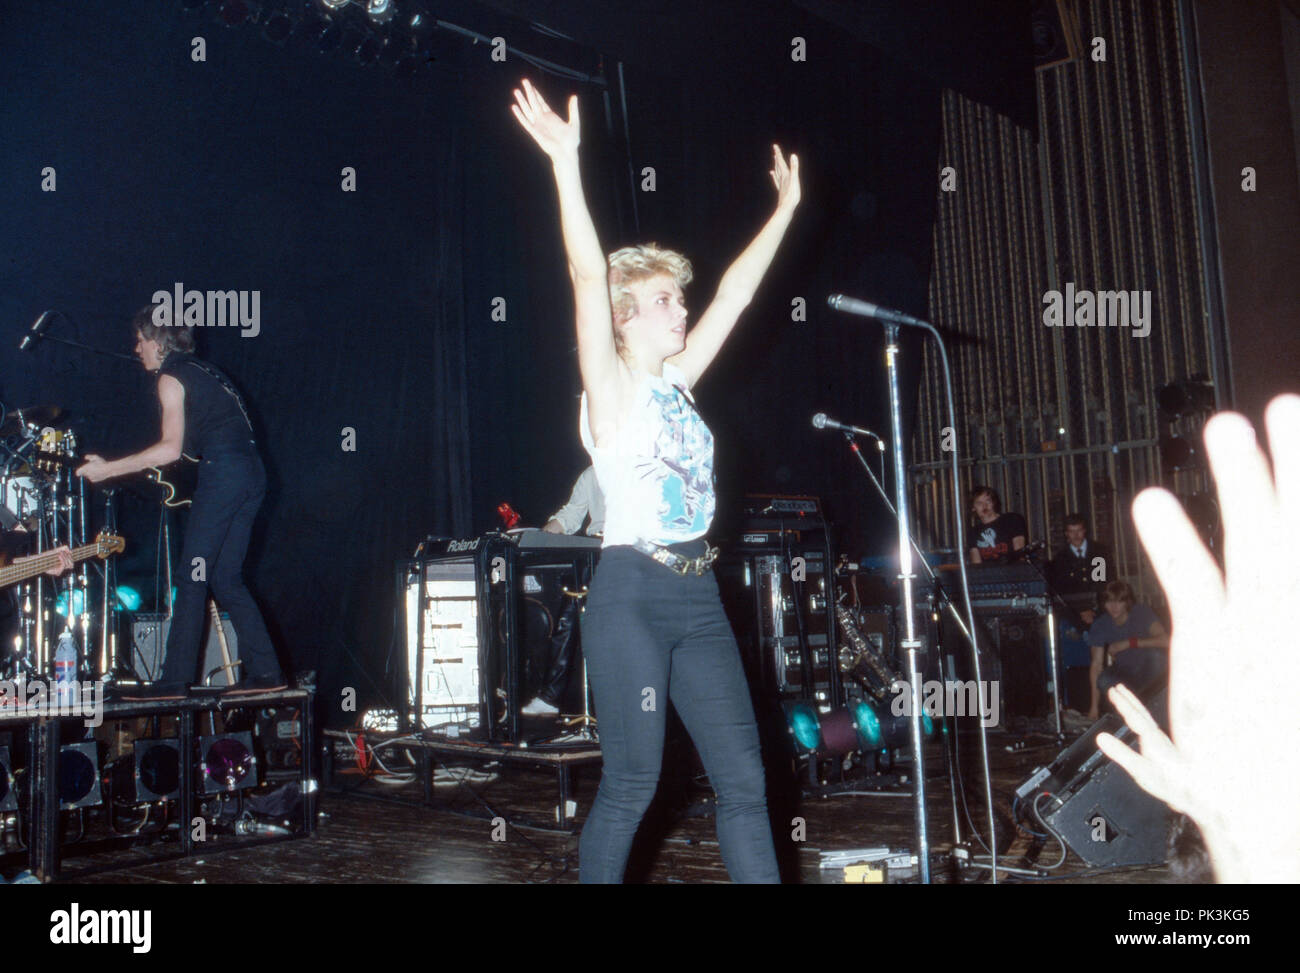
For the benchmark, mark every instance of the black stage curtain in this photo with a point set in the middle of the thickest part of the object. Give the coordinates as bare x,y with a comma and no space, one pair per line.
377,305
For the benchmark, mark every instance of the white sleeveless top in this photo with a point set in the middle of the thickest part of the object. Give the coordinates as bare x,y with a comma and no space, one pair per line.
657,476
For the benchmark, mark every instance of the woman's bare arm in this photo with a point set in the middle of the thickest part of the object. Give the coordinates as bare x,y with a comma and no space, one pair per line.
742,278
597,357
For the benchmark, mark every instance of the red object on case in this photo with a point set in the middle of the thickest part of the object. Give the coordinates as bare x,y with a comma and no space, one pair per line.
508,515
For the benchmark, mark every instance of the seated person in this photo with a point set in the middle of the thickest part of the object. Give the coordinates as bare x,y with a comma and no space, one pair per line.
1133,638
586,503
585,500
1080,571
996,536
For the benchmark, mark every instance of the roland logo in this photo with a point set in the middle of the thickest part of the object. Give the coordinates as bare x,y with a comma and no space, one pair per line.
455,546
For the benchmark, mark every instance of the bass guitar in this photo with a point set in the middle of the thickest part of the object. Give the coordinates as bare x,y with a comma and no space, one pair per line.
29,567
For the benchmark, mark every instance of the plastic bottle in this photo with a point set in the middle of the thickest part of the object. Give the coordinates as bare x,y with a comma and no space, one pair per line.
65,669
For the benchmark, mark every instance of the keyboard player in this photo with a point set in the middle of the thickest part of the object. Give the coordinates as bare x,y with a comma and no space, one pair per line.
996,536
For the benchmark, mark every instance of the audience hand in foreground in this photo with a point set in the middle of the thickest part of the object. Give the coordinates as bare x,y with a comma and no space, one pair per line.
1234,668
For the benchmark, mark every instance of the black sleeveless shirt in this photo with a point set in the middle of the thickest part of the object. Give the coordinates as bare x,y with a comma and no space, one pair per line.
216,420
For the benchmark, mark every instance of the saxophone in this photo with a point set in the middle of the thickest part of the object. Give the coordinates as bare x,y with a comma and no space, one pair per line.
860,660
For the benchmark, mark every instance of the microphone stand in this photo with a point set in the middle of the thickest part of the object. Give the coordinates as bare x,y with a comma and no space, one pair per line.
910,643
33,337
935,580
1053,596
892,320
42,336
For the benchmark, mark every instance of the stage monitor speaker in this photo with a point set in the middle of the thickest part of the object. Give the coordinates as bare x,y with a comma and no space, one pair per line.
149,647
1095,806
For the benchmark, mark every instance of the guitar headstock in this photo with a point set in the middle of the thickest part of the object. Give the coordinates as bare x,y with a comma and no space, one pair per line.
106,544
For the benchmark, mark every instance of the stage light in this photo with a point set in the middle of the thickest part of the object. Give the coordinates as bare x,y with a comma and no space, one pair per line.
869,730
804,725
381,11
128,598
152,774
8,796
839,733
228,762
78,602
334,4
79,775
879,728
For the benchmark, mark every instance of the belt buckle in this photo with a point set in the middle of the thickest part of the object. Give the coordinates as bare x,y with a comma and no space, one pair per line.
705,560
668,559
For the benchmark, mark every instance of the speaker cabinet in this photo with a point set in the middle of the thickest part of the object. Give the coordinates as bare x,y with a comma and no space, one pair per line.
149,648
1095,806
781,610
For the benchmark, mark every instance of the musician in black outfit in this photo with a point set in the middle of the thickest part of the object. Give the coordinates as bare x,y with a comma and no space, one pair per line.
1080,571
996,536
203,416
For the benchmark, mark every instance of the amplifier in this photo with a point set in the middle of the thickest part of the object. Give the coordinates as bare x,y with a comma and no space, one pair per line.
495,624
1095,806
448,675
767,506
149,647
780,607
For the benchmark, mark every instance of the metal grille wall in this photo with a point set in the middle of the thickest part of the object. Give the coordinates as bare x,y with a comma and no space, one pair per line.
1059,419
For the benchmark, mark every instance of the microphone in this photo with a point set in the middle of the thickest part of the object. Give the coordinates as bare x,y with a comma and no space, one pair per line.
35,331
1027,550
821,421
851,305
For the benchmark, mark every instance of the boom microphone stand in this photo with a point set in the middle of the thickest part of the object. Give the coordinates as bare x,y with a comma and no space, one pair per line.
937,591
934,578
892,320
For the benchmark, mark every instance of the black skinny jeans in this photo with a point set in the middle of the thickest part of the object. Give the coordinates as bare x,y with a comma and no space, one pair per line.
647,628
230,490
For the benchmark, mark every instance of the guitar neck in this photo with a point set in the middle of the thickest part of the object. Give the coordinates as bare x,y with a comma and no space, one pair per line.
41,563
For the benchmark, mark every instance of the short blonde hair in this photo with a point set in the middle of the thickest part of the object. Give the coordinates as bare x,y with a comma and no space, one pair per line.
632,265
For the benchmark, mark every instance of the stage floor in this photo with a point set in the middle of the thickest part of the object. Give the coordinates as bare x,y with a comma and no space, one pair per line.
380,833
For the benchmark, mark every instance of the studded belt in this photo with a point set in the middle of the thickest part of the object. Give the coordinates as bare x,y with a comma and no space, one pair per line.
675,562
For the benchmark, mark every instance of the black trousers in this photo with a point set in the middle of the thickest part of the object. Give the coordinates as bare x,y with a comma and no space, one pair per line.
230,491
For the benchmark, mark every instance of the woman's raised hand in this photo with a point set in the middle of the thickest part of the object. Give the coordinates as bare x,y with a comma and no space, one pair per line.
556,137
786,178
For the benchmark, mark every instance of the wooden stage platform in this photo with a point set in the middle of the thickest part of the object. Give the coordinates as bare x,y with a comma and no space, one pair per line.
379,828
